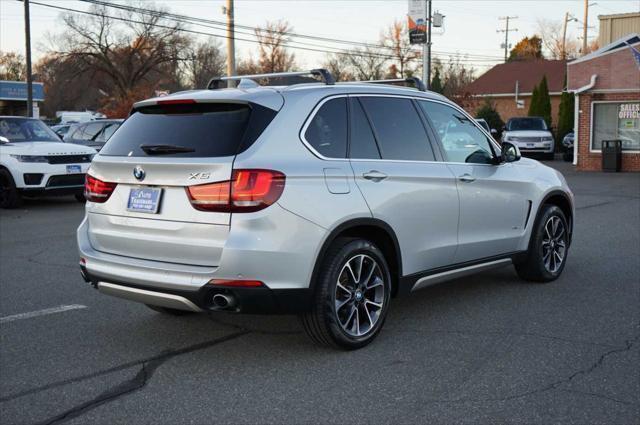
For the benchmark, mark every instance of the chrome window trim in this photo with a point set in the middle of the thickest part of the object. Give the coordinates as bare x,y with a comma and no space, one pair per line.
314,111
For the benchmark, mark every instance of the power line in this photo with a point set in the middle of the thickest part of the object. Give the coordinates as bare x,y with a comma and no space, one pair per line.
209,22
382,56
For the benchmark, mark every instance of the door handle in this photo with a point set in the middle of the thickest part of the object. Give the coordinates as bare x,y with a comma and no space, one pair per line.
375,176
467,178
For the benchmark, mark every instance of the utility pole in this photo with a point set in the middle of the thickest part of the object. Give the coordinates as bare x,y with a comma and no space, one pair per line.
506,32
27,37
231,49
585,26
567,18
427,77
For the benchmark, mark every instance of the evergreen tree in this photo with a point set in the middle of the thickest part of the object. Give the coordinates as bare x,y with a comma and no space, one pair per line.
565,115
436,82
544,101
488,112
534,104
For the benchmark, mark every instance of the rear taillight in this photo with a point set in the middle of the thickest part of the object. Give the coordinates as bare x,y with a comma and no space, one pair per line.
96,190
248,191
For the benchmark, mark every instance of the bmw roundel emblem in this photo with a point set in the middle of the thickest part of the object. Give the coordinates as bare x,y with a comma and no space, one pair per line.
138,173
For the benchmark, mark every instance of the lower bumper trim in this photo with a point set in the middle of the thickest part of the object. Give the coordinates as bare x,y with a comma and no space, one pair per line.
159,299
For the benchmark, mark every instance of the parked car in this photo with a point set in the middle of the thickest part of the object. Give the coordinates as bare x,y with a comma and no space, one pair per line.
531,135
35,162
484,124
567,146
324,200
61,129
93,134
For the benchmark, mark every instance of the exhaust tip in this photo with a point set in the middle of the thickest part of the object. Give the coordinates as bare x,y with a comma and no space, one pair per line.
223,301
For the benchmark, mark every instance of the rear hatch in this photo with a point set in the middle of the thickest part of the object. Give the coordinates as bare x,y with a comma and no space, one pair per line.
160,150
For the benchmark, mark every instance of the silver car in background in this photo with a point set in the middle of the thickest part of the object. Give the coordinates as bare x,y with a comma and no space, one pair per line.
323,200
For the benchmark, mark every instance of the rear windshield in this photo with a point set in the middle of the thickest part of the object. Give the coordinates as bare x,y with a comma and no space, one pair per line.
516,124
199,129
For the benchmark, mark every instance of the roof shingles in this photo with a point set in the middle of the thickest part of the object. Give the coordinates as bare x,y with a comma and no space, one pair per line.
501,79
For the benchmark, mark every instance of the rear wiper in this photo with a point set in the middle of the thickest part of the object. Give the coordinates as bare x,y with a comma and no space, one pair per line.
165,149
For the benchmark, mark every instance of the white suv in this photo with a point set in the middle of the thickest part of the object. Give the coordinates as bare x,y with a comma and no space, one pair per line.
35,162
531,135
324,200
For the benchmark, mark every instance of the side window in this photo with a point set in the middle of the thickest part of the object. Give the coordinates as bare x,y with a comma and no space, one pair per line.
461,139
75,132
327,132
363,142
398,128
90,131
107,132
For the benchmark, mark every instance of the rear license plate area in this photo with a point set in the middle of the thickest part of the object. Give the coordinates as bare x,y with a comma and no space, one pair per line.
146,200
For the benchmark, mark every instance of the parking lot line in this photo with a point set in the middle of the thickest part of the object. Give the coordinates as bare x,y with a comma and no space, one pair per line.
44,312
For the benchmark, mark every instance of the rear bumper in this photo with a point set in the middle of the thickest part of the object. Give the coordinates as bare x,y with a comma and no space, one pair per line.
248,300
277,248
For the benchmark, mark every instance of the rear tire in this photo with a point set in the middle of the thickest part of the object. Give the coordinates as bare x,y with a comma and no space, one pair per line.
169,311
548,248
9,195
351,297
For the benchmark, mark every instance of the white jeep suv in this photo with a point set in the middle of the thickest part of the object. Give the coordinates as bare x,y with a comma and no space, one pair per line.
35,162
324,200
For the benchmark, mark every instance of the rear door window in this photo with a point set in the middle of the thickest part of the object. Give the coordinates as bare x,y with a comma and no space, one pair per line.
398,129
202,129
363,142
327,131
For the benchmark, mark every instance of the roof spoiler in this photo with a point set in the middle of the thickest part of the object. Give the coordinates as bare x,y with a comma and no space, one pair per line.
216,82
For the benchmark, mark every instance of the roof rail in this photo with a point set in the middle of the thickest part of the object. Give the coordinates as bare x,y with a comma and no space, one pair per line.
417,82
215,83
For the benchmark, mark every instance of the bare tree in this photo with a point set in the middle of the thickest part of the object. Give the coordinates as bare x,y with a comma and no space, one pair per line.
555,42
129,60
396,39
272,40
457,76
366,63
12,66
336,66
204,61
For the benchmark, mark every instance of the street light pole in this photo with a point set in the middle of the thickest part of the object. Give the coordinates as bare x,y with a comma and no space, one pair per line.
27,36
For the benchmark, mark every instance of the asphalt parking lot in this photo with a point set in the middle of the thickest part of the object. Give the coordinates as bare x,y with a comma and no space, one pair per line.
484,349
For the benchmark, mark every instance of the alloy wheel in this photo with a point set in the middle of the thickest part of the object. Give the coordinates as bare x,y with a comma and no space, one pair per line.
554,244
359,295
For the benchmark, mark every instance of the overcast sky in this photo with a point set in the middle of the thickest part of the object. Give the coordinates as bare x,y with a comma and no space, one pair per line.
470,26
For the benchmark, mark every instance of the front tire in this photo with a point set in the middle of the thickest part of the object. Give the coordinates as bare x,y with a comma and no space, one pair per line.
9,195
548,248
351,297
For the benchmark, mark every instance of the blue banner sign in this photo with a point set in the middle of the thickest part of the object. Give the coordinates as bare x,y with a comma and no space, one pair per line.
17,90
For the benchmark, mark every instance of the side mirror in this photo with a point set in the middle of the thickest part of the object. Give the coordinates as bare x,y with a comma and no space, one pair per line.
3,140
494,131
510,152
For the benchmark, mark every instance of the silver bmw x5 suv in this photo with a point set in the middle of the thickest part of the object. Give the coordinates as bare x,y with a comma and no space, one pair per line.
319,199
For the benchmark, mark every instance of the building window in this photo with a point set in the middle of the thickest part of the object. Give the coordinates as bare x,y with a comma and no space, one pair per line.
616,121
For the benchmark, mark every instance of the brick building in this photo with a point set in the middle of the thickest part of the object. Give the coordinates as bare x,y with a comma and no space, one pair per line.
510,86
606,85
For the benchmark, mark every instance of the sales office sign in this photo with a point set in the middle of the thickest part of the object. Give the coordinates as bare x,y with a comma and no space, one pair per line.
629,111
